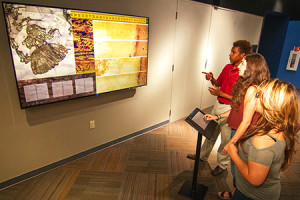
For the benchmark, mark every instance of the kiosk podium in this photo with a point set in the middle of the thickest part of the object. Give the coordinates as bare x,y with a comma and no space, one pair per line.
191,189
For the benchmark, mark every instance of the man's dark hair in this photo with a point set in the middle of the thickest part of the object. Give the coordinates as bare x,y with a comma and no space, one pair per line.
244,45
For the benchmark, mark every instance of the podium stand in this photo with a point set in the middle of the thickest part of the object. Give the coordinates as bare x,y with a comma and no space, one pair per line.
191,189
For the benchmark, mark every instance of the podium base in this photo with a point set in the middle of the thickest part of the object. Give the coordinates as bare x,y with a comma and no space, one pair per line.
186,190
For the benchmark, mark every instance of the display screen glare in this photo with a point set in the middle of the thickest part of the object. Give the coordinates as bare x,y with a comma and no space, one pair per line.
61,54
200,121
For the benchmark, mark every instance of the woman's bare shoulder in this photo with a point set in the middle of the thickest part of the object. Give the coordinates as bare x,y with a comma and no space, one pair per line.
250,93
265,141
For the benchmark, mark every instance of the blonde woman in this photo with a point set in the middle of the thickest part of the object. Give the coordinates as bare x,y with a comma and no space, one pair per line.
253,70
267,148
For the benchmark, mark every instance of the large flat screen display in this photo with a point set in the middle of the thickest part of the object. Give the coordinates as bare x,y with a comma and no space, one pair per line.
61,54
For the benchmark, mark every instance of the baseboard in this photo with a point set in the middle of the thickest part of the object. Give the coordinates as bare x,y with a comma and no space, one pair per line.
60,163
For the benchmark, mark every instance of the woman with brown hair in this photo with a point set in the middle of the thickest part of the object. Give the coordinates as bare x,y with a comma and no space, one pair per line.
267,148
253,71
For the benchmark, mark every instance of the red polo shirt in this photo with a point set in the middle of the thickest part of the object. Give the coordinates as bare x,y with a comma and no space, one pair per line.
226,80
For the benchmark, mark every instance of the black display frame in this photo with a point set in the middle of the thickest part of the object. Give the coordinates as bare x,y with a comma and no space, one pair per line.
51,79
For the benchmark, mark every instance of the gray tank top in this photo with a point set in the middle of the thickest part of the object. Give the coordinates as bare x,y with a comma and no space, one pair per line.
273,157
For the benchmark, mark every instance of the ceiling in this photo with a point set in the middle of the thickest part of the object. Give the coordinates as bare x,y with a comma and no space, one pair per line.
258,7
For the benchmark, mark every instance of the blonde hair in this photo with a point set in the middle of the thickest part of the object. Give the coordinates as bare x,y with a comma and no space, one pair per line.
279,100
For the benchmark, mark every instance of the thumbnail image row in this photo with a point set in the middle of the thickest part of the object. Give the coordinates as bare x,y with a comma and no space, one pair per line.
35,92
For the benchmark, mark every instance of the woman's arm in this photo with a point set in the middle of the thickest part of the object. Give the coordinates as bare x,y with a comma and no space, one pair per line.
215,117
254,173
225,114
249,110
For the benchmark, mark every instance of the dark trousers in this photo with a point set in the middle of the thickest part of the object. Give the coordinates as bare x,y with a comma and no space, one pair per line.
239,196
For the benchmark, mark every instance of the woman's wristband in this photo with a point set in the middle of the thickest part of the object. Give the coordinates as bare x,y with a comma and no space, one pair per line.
219,116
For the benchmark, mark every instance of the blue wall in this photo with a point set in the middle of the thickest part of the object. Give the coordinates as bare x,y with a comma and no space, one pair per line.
272,39
292,39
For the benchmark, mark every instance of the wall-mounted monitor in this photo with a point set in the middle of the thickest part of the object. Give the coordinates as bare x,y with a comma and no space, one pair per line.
60,54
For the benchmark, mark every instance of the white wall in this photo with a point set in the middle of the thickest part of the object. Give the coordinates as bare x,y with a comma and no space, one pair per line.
203,32
192,31
36,137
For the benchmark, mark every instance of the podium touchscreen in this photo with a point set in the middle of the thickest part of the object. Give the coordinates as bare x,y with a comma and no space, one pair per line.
205,127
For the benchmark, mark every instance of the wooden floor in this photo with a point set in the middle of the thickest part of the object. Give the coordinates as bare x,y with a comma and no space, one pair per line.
151,166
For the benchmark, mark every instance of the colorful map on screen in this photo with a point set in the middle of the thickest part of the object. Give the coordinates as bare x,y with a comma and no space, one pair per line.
61,54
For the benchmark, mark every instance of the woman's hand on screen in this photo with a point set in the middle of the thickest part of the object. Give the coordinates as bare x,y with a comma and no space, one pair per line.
210,117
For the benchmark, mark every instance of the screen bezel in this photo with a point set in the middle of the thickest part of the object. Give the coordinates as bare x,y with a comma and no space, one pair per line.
75,96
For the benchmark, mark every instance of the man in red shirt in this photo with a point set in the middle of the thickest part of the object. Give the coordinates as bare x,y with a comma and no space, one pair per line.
223,86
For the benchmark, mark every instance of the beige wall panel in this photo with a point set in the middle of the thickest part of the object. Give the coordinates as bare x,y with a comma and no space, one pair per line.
227,26
192,28
42,135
